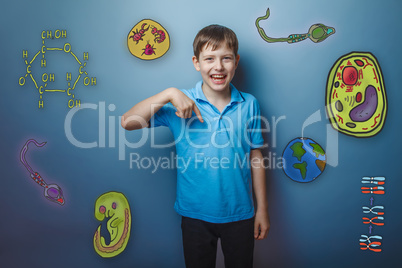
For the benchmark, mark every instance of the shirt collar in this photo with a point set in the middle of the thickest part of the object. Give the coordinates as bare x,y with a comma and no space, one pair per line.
235,95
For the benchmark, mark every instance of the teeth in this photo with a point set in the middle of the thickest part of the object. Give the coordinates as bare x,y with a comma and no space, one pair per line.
218,76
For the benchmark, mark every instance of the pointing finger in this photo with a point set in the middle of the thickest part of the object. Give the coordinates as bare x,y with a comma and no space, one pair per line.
198,113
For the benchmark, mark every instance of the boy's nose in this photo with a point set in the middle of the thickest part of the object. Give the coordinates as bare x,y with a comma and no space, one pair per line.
218,65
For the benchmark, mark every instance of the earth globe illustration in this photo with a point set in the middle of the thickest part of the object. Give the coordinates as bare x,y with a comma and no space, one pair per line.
303,160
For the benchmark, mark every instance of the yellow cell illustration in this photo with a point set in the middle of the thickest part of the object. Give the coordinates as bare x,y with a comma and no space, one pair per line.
148,40
114,208
355,100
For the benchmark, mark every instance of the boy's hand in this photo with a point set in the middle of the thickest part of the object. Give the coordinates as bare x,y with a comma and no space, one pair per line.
261,224
184,105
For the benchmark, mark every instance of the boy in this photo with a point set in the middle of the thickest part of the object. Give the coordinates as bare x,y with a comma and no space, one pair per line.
216,130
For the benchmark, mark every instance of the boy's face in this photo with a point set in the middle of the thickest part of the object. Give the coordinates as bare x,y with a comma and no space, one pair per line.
217,67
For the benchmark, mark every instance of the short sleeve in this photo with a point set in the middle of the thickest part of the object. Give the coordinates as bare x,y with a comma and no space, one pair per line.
161,118
254,126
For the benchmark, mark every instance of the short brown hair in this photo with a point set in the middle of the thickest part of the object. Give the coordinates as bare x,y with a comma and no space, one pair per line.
215,35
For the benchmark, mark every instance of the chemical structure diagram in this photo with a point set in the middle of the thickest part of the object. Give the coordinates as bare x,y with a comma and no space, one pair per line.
44,85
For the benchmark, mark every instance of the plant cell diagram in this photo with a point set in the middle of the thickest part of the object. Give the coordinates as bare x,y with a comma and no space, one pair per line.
45,81
148,40
355,99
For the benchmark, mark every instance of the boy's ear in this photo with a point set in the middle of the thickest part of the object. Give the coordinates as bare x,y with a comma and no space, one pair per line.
237,60
196,63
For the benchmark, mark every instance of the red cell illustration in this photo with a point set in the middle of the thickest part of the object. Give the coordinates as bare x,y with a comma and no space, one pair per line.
349,75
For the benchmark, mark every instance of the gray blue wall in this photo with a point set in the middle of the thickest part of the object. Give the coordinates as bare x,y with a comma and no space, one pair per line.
315,224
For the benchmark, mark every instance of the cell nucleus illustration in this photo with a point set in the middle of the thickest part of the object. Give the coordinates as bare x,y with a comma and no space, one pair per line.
356,101
148,40
113,209
304,160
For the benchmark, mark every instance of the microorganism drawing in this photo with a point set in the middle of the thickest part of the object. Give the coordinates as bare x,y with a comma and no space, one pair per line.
52,192
114,208
148,40
316,33
356,101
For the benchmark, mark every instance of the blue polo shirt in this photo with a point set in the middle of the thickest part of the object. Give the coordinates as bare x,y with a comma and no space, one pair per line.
213,158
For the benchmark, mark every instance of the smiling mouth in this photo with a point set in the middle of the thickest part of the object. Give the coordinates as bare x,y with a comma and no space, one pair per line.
218,77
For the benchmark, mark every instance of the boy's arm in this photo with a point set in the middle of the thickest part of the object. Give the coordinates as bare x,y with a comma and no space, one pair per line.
139,115
261,224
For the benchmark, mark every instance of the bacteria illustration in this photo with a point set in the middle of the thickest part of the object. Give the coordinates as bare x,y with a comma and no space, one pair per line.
113,208
148,40
138,34
160,35
148,50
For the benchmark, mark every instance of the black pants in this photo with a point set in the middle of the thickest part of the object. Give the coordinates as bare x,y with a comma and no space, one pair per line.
200,243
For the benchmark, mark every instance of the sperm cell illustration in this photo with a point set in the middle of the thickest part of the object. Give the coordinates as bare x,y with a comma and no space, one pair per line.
317,33
52,192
